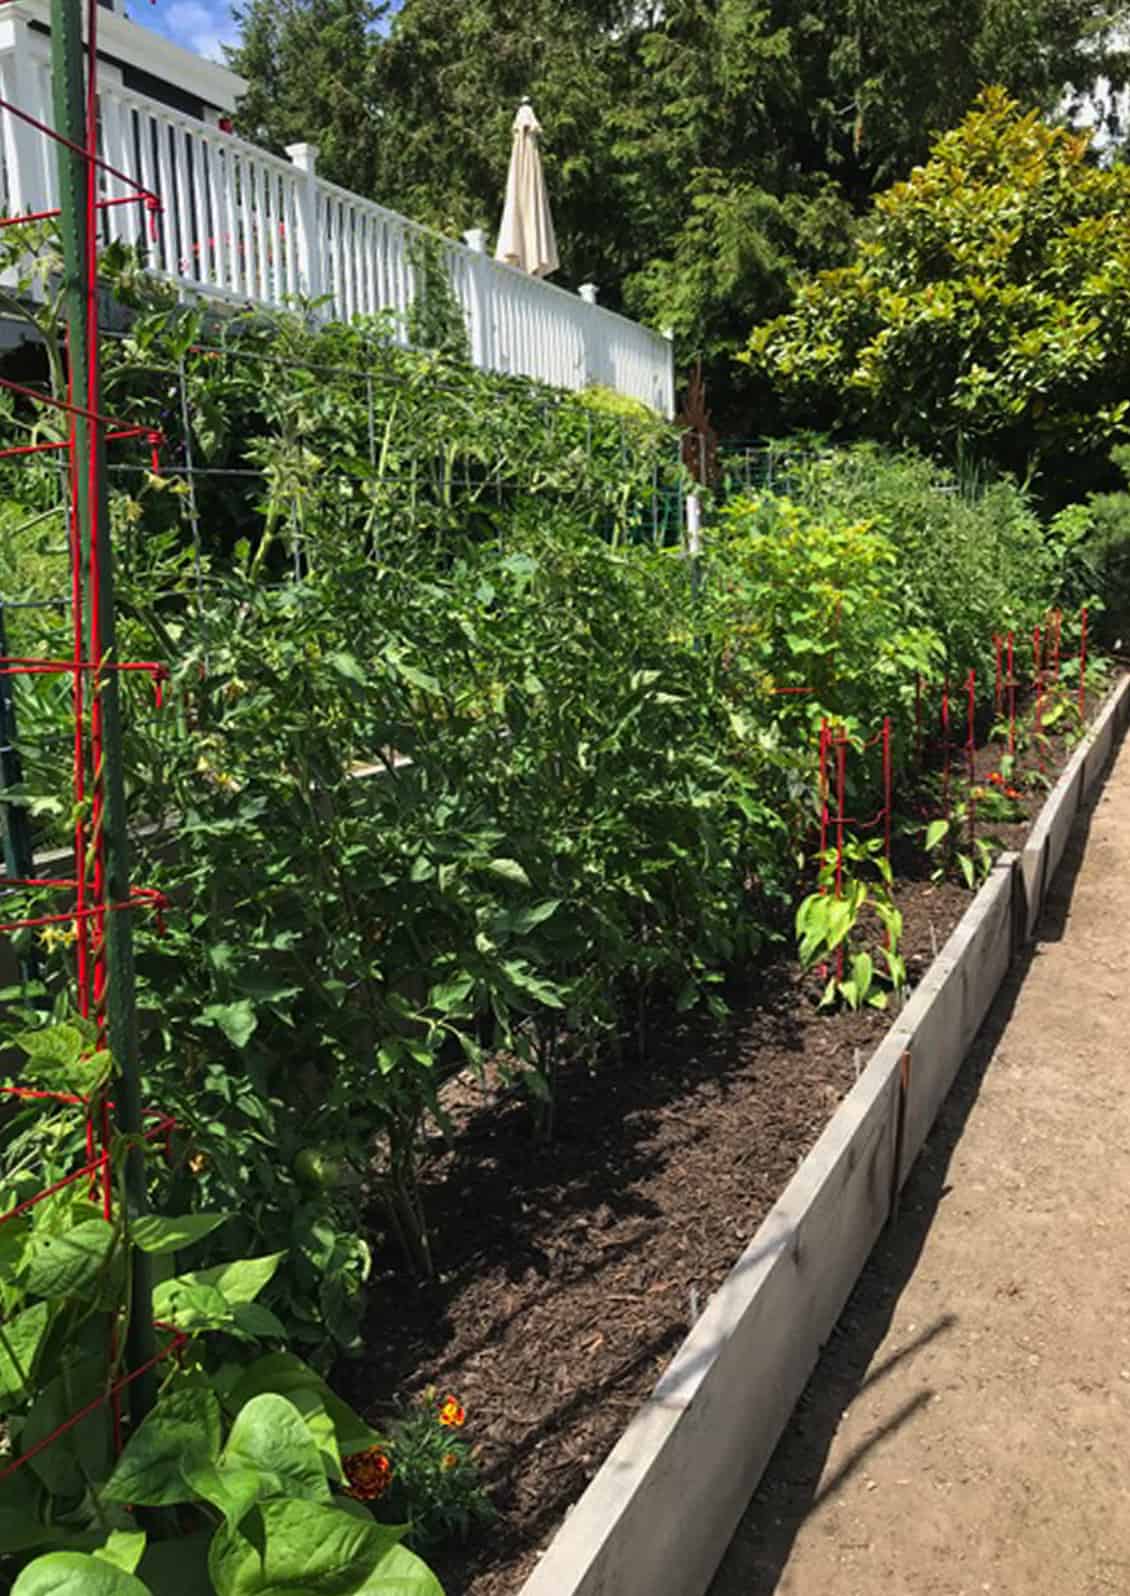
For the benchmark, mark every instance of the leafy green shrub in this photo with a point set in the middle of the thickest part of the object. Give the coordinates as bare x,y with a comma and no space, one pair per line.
968,563
1093,542
483,803
983,309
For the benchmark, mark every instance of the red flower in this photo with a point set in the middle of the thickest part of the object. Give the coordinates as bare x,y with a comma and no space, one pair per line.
451,1414
368,1474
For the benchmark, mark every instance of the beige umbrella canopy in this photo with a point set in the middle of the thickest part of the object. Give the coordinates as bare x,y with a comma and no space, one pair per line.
526,238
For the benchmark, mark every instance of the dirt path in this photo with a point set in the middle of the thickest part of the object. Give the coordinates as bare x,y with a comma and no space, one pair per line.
968,1428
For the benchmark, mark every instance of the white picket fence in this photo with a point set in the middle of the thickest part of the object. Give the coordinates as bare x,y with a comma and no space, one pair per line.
250,228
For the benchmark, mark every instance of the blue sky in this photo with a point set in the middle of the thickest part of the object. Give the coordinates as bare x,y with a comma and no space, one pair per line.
203,26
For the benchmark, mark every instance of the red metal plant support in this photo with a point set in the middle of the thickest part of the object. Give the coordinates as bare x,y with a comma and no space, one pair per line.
99,888
1011,682
1083,664
971,753
946,748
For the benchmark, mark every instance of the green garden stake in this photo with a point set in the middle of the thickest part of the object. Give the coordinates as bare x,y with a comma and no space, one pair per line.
75,172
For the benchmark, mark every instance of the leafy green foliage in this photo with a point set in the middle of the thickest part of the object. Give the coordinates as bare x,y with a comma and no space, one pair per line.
260,1446
860,901
434,1484
699,153
980,313
64,1301
969,557
461,762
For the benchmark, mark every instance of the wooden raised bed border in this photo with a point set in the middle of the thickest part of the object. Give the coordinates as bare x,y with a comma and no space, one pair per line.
657,1518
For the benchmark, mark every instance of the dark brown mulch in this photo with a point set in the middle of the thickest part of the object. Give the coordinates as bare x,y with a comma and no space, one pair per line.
570,1272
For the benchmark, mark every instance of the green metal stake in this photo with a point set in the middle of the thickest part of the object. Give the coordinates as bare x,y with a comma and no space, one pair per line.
93,518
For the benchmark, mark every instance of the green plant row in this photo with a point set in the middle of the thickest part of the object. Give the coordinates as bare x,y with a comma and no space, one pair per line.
457,769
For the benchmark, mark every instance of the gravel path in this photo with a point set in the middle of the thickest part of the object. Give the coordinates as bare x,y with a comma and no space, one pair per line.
968,1428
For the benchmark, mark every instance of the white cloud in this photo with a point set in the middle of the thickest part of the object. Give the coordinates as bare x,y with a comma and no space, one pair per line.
203,26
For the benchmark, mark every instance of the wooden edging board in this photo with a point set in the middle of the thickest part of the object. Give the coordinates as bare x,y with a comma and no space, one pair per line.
1074,789
657,1518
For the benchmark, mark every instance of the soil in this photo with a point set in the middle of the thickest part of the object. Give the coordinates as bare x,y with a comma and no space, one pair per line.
965,1431
570,1271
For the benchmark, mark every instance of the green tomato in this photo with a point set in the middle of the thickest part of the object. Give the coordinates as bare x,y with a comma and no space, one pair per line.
323,1167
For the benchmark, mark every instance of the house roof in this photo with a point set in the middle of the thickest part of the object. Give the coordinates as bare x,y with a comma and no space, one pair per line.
128,43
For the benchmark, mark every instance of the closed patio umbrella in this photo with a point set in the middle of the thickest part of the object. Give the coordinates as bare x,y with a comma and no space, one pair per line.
526,238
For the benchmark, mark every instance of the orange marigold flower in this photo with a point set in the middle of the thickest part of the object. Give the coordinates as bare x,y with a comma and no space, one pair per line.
451,1413
1011,792
368,1474
996,777
448,1460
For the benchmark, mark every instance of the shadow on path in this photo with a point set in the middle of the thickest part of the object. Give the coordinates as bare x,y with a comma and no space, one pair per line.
794,1485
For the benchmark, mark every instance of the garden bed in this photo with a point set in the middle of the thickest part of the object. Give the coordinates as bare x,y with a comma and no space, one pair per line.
570,1272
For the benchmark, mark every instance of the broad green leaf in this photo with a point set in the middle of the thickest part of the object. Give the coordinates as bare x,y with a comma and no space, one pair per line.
22,1339
70,1264
346,665
242,1280
57,1045
862,972
298,1549
418,678
124,1549
270,1437
236,1020
84,1451
287,1375
317,1420
205,1297
935,831
523,920
154,1233
55,1059
518,972
447,996
401,1573
232,1491
183,1431
389,1056
21,1501
76,1574
191,1305
840,921
509,870
252,1319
